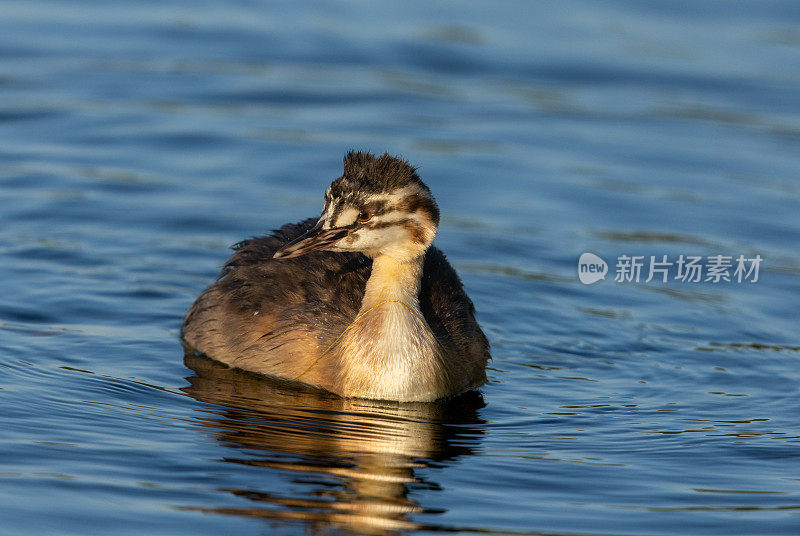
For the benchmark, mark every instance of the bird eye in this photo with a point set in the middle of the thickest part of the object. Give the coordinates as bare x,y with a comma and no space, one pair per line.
364,216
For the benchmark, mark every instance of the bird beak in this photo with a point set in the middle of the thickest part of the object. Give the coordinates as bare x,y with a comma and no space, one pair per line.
315,239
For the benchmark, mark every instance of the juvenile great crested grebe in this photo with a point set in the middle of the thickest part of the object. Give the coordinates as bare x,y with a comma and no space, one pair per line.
356,302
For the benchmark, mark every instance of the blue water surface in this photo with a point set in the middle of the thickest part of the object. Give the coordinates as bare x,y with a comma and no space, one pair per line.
138,140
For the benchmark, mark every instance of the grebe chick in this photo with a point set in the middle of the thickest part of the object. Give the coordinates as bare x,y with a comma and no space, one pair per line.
356,302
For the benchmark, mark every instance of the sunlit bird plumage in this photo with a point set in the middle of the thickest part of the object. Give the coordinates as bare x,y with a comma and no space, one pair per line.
357,302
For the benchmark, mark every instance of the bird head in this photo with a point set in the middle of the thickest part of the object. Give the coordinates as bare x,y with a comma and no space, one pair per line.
379,206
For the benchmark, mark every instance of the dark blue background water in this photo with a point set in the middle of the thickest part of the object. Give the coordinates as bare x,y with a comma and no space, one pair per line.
139,140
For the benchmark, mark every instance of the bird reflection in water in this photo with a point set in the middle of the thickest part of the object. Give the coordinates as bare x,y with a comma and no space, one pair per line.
359,456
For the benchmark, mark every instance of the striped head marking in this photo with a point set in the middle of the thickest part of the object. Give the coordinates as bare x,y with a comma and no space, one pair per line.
384,205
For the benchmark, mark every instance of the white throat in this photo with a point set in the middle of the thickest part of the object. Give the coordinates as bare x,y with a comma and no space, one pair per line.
391,351
393,280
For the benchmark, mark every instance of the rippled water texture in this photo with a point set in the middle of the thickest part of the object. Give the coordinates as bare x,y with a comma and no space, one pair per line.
139,140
